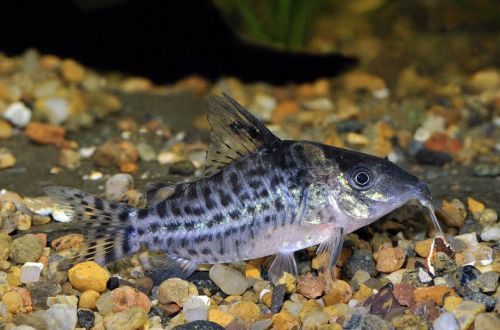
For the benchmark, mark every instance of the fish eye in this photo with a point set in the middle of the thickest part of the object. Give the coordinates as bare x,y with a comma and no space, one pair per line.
360,178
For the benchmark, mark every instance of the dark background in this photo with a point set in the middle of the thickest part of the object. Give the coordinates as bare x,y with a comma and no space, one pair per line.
163,40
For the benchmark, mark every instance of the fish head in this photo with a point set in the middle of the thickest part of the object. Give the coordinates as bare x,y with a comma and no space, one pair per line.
365,187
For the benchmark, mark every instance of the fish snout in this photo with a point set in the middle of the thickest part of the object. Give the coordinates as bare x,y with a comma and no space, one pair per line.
423,191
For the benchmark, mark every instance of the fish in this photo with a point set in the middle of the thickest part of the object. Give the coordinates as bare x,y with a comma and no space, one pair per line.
260,196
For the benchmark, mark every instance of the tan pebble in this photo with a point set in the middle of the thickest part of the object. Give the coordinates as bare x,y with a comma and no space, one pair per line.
88,275
488,217
245,310
456,211
466,312
221,318
14,276
136,84
308,307
285,321
24,222
126,297
5,130
129,168
474,205
363,292
68,242
49,62
362,80
289,281
69,159
252,270
267,298
130,319
7,159
311,286
357,139
338,291
423,248
88,299
176,290
451,302
390,259
336,310
13,301
487,321
73,71
285,109
433,293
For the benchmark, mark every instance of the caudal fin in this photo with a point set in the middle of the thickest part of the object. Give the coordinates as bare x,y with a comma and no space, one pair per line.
109,233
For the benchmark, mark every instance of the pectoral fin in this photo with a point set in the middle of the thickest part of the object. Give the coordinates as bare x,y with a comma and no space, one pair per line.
333,246
284,262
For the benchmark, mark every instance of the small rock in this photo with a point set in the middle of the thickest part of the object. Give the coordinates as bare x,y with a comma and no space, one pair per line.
360,260
130,319
434,293
69,159
30,272
56,109
451,302
390,259
285,321
104,304
115,152
487,301
62,299
485,282
264,324
88,299
146,152
310,286
85,318
41,290
68,242
126,297
196,308
462,276
246,310
408,321
7,159
252,270
429,157
60,317
466,312
219,317
13,301
337,292
18,114
277,298
73,71
117,186
491,233
176,290
5,130
382,303
315,320
487,321
456,211
88,275
229,280
25,248
446,321
284,109
182,167
45,133
360,321
198,325
488,217
404,294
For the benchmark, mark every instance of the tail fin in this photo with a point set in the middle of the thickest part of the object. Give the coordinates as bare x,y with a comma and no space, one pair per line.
109,233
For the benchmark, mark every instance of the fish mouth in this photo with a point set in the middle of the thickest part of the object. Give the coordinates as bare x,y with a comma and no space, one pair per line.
425,198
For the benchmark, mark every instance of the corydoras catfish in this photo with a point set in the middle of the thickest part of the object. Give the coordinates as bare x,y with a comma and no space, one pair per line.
260,196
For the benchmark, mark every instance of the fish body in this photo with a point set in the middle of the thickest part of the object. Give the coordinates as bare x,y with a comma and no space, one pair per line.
261,196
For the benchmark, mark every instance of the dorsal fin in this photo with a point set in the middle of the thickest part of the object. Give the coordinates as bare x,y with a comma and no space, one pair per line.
235,133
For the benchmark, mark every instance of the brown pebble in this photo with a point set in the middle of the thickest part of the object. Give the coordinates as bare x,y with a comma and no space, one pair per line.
126,297
433,293
403,293
45,133
390,259
310,286
68,242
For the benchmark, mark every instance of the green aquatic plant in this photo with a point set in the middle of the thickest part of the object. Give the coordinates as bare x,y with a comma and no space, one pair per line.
281,23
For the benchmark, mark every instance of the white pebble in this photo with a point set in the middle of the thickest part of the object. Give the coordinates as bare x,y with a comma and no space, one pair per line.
30,272
18,114
196,308
57,110
229,280
60,317
491,233
117,186
423,276
446,321
86,152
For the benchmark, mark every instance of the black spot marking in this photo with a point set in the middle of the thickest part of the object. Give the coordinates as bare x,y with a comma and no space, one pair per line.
225,198
192,193
192,252
235,214
176,211
264,193
187,210
267,219
184,242
154,227
197,211
227,233
123,216
161,209
278,205
98,204
245,196
112,206
156,240
254,184
275,180
142,213
140,232
251,209
209,203
189,225
264,206
235,183
78,195
109,257
206,251
171,226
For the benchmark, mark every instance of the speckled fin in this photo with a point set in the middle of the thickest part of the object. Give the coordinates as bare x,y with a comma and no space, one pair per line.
235,133
284,262
333,246
161,267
